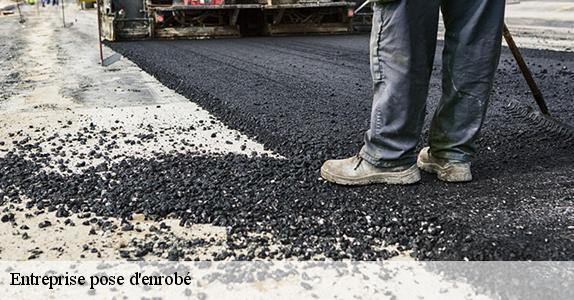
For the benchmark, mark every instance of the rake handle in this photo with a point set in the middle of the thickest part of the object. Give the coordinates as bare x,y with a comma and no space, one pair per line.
525,71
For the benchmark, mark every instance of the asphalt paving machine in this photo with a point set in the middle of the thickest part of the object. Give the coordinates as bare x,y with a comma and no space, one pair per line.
169,19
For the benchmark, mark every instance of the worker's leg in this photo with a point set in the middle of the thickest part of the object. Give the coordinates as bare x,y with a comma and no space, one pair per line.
403,44
470,59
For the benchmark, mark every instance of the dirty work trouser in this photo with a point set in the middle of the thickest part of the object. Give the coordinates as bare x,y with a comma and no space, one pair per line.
403,44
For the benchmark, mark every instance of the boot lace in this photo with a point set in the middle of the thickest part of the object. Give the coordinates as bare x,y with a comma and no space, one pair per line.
359,162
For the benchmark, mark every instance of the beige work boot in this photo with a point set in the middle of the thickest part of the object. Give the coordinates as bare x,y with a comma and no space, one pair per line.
357,171
449,171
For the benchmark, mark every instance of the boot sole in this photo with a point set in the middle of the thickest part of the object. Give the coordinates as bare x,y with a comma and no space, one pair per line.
444,173
409,176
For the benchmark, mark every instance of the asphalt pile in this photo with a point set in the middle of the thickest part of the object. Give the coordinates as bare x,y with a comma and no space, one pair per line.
308,99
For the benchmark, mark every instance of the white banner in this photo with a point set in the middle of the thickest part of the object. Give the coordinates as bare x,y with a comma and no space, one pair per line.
287,280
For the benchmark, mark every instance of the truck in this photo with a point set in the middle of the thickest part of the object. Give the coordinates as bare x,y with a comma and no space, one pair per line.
198,19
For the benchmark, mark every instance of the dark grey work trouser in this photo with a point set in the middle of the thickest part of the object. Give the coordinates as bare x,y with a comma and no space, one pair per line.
403,44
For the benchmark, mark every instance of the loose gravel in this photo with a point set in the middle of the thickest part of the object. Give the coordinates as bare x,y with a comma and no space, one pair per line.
307,98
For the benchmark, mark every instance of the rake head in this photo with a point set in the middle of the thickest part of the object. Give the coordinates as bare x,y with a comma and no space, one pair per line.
540,120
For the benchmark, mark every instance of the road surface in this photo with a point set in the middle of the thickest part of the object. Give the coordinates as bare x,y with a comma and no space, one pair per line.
239,144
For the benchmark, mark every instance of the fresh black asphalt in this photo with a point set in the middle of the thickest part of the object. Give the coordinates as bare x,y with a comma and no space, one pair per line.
308,99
